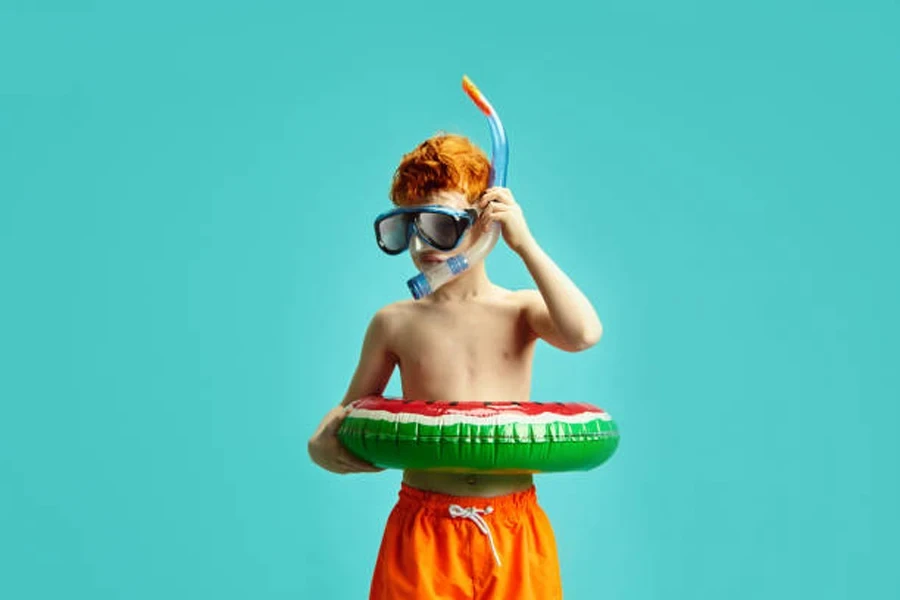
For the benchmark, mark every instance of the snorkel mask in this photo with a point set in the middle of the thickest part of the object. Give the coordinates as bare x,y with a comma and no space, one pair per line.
441,227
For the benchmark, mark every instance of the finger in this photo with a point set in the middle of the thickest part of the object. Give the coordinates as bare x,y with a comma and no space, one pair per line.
495,209
491,195
500,216
505,197
353,464
351,460
487,217
367,467
499,195
364,468
335,467
484,214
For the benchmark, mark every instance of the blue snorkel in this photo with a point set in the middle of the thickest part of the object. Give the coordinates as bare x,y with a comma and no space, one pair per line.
434,277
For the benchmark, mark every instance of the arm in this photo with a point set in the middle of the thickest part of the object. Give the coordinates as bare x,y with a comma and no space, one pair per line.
376,364
376,361
558,312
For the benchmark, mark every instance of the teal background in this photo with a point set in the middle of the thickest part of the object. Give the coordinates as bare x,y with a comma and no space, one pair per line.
187,268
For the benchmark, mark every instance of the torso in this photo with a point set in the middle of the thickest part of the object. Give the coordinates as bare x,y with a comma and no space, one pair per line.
465,351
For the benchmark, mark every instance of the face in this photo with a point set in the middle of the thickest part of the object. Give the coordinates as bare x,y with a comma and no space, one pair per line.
424,255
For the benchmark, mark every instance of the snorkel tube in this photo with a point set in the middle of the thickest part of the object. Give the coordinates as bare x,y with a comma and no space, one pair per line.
434,277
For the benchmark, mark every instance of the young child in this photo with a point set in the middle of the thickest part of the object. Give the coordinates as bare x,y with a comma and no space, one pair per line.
463,535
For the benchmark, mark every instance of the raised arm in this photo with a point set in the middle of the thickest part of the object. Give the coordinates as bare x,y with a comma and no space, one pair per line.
558,312
376,364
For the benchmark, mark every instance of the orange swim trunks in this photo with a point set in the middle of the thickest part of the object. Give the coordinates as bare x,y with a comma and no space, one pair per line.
440,547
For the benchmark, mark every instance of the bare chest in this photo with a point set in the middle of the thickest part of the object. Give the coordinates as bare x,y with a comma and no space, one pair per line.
480,353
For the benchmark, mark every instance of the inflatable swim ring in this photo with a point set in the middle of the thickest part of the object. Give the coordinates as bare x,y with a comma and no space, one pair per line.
491,437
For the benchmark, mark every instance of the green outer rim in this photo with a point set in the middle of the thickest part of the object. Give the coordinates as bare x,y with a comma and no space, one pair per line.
518,447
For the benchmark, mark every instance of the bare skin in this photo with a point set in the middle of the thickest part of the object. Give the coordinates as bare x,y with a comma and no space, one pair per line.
470,341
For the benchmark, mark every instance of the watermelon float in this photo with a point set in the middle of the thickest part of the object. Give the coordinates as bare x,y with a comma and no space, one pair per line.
490,437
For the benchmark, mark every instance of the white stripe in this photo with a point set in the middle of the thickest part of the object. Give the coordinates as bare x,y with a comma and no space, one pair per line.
468,419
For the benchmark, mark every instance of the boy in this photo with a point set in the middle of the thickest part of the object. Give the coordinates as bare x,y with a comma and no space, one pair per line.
463,535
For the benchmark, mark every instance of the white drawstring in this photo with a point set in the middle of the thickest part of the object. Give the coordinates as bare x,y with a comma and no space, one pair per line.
474,515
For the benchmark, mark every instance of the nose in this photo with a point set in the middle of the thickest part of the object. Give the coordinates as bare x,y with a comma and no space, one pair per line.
416,244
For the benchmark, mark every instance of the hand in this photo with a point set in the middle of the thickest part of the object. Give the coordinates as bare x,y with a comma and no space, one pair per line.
498,205
328,452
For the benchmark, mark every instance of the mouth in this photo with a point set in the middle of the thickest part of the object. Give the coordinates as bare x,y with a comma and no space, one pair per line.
431,258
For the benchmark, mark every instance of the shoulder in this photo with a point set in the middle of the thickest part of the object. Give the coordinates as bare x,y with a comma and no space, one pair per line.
389,317
384,325
527,300
527,303
532,309
394,310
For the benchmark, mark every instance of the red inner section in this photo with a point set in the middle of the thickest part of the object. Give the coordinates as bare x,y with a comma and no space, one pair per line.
475,409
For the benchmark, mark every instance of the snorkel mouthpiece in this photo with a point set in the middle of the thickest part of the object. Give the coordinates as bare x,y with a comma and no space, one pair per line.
426,282
432,278
419,287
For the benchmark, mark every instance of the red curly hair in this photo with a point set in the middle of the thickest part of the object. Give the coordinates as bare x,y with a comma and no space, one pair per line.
440,163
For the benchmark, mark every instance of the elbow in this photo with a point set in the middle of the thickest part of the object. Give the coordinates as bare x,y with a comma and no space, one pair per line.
588,337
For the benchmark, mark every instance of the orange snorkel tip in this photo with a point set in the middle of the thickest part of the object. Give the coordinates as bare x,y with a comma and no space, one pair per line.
477,97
